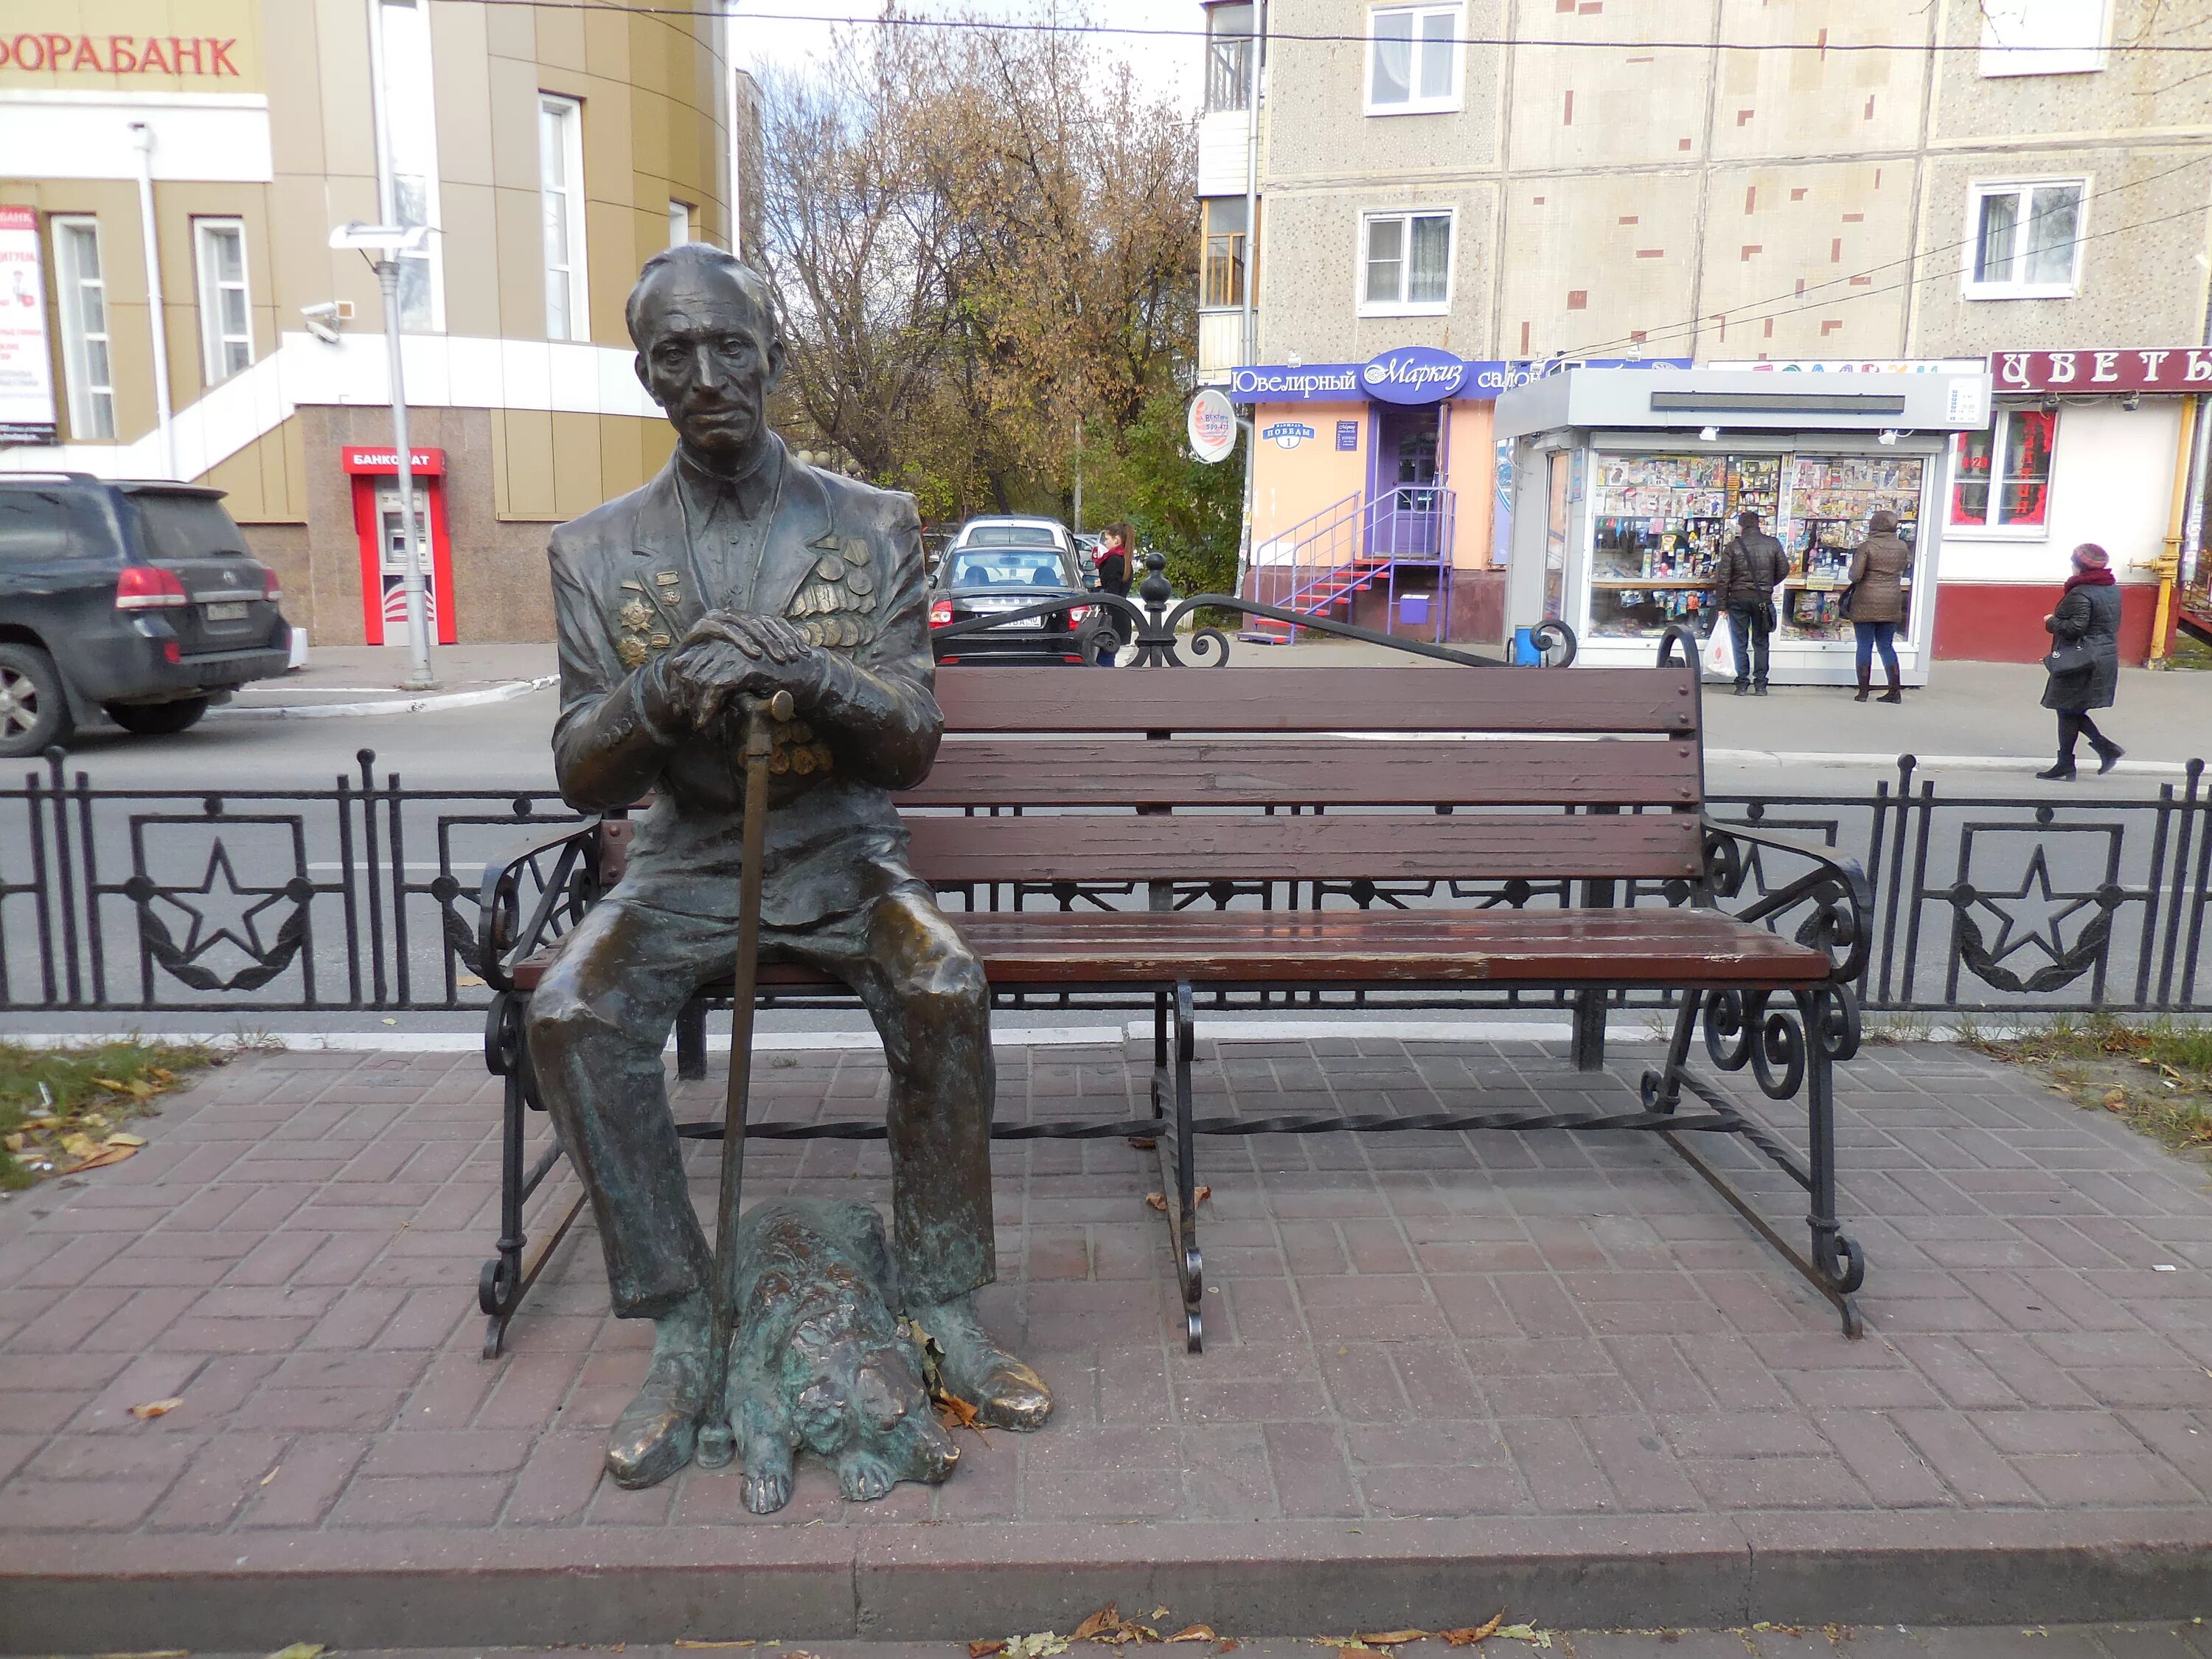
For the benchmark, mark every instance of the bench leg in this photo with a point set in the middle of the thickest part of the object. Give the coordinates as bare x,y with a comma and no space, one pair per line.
1662,1090
691,1041
1590,1031
1835,1254
1178,1162
507,1277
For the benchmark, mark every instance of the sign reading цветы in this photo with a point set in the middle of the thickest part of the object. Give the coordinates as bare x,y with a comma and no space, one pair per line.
2133,368
27,379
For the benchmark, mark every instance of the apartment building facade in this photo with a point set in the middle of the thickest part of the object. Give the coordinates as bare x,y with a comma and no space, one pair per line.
170,174
1506,184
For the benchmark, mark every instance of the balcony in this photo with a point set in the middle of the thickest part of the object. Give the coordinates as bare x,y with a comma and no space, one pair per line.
1220,345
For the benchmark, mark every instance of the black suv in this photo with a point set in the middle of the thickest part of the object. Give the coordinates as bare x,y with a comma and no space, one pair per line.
139,599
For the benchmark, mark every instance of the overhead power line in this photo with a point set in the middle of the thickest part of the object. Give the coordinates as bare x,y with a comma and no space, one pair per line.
1821,46
1674,331
1852,278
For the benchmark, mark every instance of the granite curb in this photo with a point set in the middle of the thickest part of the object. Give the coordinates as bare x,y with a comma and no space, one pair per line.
948,1583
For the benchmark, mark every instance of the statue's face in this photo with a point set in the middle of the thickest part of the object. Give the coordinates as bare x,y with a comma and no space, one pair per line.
709,356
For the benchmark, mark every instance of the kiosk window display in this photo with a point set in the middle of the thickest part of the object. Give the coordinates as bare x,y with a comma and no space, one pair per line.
1641,547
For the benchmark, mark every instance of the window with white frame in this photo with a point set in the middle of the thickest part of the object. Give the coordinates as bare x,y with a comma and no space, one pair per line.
2026,239
82,287
2045,37
1221,274
560,197
1414,59
226,317
1228,58
406,87
1405,263
682,223
2001,476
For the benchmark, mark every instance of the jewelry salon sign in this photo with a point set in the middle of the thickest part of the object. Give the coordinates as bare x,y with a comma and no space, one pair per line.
1411,375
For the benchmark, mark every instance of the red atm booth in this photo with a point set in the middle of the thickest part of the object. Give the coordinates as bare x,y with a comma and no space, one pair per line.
376,521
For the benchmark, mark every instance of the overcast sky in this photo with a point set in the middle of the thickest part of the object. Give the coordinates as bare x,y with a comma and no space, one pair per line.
1169,67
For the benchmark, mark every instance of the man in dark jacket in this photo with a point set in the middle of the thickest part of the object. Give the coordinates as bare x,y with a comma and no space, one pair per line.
741,572
1752,566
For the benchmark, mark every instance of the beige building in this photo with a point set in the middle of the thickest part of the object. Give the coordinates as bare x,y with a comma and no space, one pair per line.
549,150
1509,181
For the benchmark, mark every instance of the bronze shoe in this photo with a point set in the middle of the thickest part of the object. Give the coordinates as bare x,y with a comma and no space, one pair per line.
658,1431
1005,1391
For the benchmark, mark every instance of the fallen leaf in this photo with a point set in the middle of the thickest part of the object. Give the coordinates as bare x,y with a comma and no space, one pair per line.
14,1142
473,980
161,1408
80,1146
149,1653
685,1642
1159,1613
1143,1143
1106,1618
1228,1644
1041,1644
134,1142
1469,1635
1194,1633
100,1158
301,1650
985,1650
272,1474
1198,1196
1529,1633
1391,1638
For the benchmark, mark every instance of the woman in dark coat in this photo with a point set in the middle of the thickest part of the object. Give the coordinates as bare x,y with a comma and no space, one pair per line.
2086,625
1116,547
1877,567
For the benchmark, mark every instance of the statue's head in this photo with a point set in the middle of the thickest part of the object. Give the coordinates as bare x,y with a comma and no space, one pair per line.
708,348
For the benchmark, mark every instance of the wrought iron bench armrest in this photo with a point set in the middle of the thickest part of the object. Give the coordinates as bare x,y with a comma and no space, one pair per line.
503,937
1836,887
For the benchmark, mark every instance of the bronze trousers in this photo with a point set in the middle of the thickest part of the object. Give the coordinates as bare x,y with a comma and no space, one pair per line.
599,1023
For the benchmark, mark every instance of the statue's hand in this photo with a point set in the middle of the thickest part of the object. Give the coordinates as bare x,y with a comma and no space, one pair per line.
728,654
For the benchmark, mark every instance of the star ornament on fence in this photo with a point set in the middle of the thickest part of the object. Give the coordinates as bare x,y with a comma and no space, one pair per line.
2032,914
220,912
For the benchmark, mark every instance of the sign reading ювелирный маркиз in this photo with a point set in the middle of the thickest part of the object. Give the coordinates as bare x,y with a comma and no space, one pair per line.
1410,375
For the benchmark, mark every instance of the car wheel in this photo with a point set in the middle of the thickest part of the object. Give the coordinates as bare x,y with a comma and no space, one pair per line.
158,720
34,711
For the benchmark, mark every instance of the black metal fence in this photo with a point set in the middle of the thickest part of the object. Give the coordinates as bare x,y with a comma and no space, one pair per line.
363,896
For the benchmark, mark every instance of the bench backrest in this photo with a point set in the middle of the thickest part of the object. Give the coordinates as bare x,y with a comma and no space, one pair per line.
1311,773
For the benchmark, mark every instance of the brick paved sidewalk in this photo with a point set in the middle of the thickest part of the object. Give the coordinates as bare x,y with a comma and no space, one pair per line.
1444,1372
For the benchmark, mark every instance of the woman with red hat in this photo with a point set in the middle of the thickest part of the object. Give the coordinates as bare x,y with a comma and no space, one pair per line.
2084,663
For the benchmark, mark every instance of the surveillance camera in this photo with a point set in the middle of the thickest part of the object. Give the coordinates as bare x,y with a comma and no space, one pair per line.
322,320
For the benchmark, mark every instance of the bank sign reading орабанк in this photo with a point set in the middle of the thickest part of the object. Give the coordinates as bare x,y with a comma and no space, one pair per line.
1411,375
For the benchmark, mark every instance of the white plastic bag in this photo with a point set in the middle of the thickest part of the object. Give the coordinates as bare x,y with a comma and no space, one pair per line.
1719,655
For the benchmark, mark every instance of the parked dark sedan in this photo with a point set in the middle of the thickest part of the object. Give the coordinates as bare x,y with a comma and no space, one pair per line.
987,582
138,598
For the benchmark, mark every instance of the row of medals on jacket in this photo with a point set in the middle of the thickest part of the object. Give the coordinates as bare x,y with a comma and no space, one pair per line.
835,610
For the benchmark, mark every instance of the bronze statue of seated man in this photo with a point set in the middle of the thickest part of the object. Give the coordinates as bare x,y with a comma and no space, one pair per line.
741,572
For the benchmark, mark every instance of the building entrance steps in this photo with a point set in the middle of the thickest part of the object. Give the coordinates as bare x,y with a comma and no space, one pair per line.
1447,1374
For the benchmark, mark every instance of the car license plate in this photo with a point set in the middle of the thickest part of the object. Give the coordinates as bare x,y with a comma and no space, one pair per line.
1018,622
227,611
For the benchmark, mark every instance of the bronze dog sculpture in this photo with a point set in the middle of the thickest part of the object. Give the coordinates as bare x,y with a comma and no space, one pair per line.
821,1361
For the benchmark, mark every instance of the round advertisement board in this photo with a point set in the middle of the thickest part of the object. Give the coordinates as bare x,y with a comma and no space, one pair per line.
1212,426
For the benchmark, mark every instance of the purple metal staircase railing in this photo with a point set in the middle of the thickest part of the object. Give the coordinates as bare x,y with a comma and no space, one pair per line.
1355,544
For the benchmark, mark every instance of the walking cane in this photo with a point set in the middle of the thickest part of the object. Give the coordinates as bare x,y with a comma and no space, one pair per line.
717,1443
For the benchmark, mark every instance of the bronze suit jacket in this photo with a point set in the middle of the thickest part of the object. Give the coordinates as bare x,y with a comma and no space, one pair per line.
843,562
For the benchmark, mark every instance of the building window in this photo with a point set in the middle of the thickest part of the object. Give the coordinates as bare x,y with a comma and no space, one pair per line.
1222,280
681,223
1406,263
561,196
226,320
411,143
2027,239
1413,59
1228,58
83,292
2001,476
2045,37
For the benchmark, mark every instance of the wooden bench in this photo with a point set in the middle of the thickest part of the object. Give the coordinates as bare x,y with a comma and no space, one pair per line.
1487,833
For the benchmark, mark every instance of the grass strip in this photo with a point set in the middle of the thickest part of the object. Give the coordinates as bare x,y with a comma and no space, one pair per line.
60,1108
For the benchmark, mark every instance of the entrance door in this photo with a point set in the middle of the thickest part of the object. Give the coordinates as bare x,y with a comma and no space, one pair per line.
392,546
1406,486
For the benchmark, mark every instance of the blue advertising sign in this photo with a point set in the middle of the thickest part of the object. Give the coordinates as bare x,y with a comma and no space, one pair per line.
1347,434
1412,374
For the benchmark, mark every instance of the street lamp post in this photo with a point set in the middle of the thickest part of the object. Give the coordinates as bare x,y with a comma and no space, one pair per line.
387,243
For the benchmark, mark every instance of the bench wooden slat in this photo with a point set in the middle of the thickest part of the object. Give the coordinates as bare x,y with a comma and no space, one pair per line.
1206,846
1187,772
1358,699
1645,949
